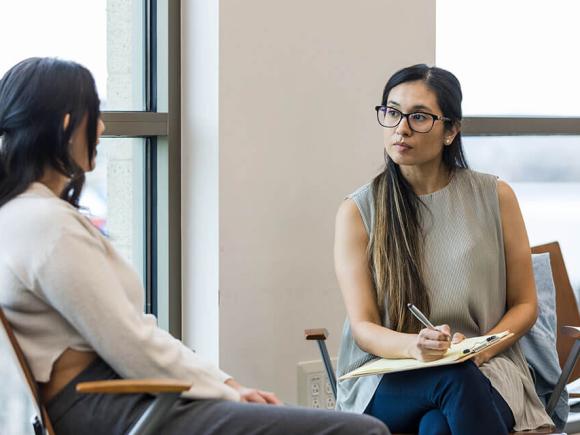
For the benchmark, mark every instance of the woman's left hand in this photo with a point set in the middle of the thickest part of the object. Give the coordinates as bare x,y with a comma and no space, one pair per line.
253,395
481,358
458,337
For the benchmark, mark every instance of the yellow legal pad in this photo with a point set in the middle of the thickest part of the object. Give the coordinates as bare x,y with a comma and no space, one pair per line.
457,353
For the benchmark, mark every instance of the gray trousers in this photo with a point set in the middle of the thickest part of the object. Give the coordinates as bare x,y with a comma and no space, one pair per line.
73,413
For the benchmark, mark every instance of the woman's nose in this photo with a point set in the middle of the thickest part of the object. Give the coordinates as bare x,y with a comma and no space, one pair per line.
403,128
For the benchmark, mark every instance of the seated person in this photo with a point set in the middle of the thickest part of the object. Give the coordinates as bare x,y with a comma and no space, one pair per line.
429,231
76,305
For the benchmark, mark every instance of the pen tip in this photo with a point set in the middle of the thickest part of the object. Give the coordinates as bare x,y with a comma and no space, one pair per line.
409,305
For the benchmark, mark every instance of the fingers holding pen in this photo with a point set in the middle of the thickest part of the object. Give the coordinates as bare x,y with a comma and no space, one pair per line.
445,329
438,333
431,344
435,339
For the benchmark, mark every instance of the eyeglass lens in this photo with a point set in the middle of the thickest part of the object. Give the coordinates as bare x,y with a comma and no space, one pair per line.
418,121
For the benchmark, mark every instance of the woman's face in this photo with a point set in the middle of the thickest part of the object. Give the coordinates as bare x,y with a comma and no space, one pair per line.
79,144
405,146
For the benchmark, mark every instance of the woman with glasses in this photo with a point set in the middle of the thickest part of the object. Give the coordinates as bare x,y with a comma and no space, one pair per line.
429,231
76,305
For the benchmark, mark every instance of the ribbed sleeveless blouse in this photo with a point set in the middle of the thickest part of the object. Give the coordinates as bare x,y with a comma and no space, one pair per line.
464,271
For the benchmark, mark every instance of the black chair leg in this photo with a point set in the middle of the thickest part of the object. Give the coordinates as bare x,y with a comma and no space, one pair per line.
327,366
566,372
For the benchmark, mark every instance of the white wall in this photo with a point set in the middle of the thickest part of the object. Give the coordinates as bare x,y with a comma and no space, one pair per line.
200,176
295,131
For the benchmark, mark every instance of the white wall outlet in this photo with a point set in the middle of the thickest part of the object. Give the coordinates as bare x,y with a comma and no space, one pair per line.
314,389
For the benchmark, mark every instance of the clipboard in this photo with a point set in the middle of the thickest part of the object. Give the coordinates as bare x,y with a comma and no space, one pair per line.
457,353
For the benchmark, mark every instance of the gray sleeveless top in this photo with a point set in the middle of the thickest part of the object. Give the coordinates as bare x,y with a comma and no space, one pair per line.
464,270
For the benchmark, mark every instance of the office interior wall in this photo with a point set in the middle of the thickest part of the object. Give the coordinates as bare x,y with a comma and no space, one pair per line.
295,131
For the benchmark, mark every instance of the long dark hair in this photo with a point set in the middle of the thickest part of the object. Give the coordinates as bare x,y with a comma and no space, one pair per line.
35,96
396,243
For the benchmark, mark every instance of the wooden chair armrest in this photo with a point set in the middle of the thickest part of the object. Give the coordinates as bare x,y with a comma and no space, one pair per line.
540,431
316,334
132,386
571,331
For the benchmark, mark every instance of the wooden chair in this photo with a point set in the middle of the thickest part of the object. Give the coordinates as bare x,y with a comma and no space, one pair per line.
167,390
566,309
568,342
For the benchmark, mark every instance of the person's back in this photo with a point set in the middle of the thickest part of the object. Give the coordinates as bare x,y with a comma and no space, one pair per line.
75,304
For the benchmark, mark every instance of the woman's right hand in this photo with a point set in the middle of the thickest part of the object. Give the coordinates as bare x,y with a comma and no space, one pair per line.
430,344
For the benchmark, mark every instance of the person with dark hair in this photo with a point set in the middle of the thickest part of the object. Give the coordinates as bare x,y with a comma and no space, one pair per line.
76,306
429,231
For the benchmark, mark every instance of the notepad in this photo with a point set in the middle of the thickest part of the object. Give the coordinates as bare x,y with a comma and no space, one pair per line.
457,353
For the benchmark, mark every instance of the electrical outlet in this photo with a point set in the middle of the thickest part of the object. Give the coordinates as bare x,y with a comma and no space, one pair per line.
314,389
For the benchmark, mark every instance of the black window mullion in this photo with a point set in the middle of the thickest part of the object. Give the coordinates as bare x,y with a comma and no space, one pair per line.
151,287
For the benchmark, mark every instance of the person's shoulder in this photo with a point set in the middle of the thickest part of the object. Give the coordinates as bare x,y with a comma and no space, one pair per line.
363,191
470,174
358,207
37,215
348,211
505,193
478,180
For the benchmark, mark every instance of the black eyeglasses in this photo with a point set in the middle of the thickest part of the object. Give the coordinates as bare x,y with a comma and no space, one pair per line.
420,122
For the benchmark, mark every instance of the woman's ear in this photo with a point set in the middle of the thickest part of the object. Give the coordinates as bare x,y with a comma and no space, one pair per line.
66,121
451,133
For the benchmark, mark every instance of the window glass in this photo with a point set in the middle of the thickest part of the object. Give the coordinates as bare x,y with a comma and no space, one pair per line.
544,172
106,36
114,197
514,57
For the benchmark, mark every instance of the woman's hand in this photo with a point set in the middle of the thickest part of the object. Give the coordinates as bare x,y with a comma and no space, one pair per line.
458,337
481,358
431,345
252,395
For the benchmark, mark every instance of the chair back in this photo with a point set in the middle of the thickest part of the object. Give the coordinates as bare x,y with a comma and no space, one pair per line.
566,307
14,355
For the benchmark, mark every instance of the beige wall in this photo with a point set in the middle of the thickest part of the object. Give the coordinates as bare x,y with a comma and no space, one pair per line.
295,132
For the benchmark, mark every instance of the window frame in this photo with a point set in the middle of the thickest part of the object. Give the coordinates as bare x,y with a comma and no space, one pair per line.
154,125
520,126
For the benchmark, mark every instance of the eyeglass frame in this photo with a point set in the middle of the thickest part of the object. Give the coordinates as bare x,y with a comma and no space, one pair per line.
406,116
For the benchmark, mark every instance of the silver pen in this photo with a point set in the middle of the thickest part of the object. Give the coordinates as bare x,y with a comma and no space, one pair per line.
422,318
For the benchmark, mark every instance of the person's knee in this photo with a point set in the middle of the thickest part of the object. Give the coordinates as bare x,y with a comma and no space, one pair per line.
464,383
434,423
465,369
466,374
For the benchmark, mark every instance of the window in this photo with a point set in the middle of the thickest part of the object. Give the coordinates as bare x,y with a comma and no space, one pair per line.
114,197
512,58
132,49
106,36
520,104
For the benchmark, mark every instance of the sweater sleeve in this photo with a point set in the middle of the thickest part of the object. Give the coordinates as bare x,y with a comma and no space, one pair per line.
79,280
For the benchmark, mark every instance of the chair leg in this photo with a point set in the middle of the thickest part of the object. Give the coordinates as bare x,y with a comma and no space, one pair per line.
154,415
327,366
566,371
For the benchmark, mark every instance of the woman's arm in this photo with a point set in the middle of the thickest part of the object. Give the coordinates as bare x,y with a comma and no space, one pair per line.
521,300
355,281
79,279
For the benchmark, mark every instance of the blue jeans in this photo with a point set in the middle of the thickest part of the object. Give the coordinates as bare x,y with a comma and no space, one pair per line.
454,399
